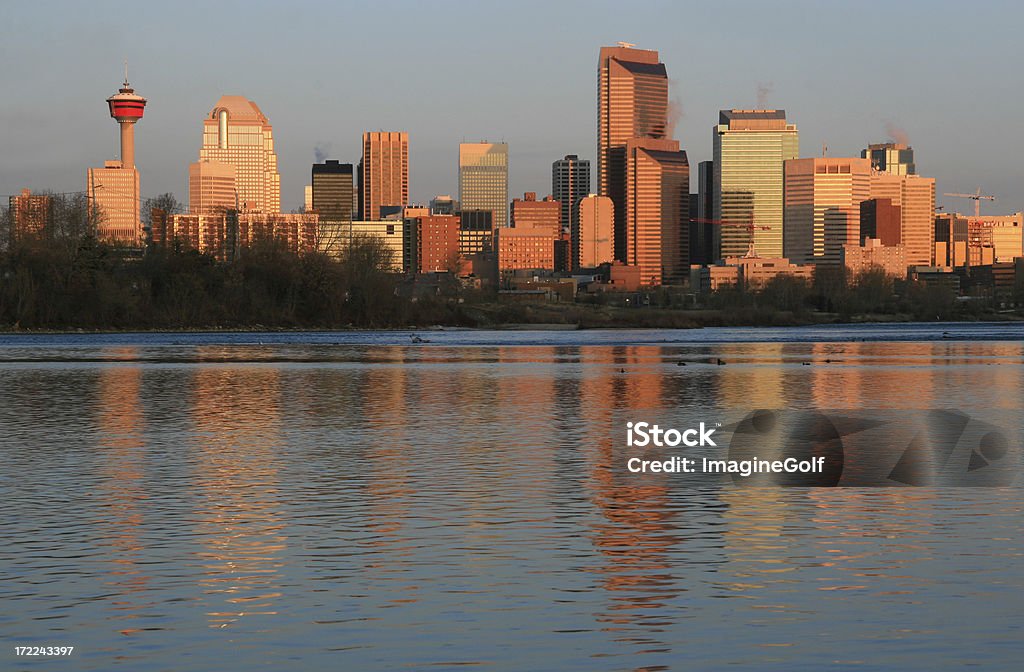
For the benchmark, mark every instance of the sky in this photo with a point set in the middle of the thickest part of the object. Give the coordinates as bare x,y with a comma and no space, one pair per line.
946,74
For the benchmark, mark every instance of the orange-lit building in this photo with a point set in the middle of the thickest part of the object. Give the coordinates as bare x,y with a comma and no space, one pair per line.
592,242
211,188
529,213
113,191
1004,232
383,173
31,215
434,243
823,199
915,196
890,258
224,235
236,132
525,249
657,207
632,102
748,272
951,240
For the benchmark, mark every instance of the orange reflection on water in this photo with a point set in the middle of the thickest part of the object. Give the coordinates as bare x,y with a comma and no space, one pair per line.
236,420
121,488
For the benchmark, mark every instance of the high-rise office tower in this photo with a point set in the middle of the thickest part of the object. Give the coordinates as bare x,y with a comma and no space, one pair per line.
483,179
570,181
237,133
632,102
383,173
823,204
113,190
30,215
750,148
657,205
891,157
332,191
592,239
211,188
915,196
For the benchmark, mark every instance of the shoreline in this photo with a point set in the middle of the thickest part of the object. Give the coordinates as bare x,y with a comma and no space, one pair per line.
510,326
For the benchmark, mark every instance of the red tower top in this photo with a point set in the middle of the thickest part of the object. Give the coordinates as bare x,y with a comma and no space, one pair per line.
125,105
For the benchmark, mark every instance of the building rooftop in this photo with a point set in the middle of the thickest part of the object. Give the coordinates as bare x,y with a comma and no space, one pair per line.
725,116
239,108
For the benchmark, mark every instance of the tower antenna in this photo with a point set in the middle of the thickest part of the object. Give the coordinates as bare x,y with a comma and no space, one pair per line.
126,72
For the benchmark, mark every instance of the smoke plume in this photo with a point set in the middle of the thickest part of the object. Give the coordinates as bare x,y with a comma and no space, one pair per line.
322,151
673,113
897,134
764,89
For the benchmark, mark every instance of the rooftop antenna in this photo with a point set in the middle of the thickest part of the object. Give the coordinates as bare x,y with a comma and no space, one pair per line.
824,149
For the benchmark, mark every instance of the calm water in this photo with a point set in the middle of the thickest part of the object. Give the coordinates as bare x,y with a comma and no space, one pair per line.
358,501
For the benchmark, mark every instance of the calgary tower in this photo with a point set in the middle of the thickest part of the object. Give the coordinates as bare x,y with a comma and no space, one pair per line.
127,107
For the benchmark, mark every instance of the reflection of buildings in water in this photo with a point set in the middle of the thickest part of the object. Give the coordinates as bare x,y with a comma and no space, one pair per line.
751,378
755,539
635,534
235,412
385,393
121,485
865,375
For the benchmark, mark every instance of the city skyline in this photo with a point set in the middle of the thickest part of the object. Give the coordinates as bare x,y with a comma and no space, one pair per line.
848,96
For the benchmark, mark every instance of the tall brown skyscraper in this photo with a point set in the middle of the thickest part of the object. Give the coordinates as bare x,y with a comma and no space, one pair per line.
383,172
632,102
657,210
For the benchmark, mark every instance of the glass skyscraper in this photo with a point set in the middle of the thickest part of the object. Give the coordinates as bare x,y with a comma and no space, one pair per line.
483,179
750,151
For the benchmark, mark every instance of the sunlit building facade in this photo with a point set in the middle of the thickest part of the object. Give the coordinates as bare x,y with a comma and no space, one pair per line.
823,199
593,236
483,179
335,238
383,173
632,102
528,212
211,187
114,206
858,258
657,204
1004,232
525,249
750,151
236,132
31,215
915,196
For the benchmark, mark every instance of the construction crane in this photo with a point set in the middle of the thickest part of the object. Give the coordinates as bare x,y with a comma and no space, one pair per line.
749,226
977,197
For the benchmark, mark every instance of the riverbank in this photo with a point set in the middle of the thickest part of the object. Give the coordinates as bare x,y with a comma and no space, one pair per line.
554,317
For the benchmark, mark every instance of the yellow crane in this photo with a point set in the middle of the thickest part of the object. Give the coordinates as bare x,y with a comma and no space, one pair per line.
977,197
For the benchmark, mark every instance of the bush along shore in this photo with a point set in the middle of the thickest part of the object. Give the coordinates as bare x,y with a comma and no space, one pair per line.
91,286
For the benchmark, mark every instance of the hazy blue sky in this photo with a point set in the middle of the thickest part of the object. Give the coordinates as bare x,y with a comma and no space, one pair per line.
948,73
